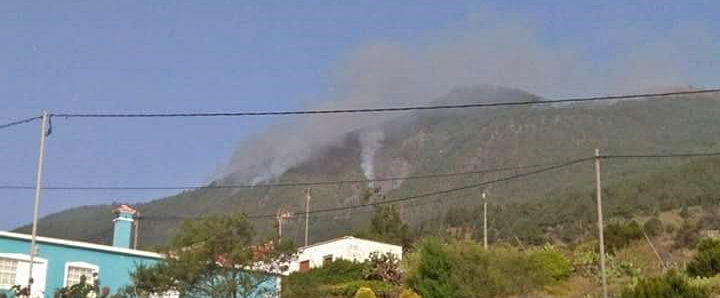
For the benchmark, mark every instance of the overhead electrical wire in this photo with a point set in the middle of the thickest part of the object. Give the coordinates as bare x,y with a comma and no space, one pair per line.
668,155
485,183
441,192
382,110
18,122
340,182
265,185
362,110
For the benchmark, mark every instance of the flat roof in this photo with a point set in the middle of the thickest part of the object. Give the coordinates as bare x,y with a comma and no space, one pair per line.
83,245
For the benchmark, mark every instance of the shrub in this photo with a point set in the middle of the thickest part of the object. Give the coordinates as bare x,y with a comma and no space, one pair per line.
384,267
619,235
431,275
550,263
706,262
312,283
380,289
670,286
364,293
653,227
407,293
687,235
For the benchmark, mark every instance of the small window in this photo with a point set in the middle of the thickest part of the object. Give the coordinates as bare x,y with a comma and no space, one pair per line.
8,271
75,270
327,259
305,265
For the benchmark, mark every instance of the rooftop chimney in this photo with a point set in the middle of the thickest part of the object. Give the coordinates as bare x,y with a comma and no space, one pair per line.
123,226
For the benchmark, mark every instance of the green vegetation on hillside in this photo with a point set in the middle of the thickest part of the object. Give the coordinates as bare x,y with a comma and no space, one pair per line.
533,209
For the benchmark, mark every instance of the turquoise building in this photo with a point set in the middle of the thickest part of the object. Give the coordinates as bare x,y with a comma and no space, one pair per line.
59,263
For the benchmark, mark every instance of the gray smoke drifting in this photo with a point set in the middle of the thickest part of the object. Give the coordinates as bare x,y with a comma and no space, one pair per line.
371,141
489,49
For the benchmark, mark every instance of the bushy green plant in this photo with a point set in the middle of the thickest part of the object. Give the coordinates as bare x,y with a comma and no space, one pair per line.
706,262
551,263
459,269
619,235
671,285
432,275
364,293
653,227
315,282
381,289
407,293
586,262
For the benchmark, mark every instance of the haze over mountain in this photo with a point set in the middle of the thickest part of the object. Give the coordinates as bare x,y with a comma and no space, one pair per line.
422,143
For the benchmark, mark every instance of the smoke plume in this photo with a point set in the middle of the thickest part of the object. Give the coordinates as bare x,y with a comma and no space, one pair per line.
490,49
370,141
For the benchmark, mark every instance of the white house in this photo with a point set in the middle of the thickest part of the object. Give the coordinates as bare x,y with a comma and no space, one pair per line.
346,248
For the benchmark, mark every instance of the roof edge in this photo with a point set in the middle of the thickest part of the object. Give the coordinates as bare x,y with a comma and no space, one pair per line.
346,237
85,245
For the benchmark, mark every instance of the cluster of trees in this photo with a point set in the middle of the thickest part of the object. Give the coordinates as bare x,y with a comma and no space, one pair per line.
466,269
568,218
216,256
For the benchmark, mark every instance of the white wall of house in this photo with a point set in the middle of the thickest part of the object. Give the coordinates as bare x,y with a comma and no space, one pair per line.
22,271
347,248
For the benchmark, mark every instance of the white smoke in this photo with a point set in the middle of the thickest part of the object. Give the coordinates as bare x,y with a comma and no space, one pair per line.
500,49
370,141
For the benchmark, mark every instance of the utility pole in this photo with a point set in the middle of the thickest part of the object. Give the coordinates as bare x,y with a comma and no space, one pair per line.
484,220
601,235
136,226
281,215
307,214
38,187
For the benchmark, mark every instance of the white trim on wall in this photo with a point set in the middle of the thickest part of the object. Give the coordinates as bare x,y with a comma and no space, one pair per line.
84,265
22,270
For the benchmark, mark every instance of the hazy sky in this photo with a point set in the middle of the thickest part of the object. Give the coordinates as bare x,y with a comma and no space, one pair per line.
140,56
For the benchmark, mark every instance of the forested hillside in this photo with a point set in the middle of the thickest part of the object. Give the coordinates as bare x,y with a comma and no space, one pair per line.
465,141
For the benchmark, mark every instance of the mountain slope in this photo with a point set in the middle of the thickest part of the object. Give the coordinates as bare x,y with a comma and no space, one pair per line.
442,142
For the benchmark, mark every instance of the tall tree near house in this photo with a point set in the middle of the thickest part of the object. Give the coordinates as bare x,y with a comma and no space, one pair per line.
215,256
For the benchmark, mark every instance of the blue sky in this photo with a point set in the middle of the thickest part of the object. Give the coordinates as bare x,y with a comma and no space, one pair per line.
140,56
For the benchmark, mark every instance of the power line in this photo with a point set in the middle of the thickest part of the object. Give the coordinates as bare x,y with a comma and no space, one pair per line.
409,198
264,185
380,110
442,192
23,121
512,177
669,155
548,167
341,182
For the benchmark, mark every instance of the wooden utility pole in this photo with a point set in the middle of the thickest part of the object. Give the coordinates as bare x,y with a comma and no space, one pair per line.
601,235
307,215
485,244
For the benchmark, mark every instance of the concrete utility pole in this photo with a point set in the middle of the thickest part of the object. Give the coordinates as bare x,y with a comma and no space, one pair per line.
136,226
307,215
281,216
38,187
601,235
484,220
